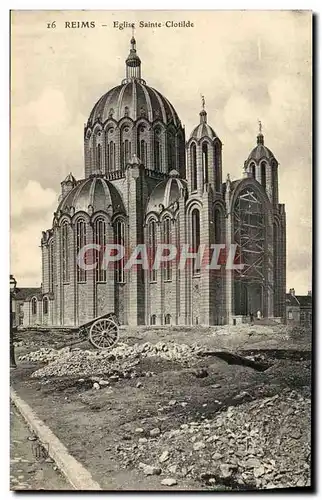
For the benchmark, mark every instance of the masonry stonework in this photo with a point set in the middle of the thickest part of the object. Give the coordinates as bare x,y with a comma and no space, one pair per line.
139,172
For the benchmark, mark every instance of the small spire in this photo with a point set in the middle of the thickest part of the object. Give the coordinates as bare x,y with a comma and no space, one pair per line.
203,112
260,137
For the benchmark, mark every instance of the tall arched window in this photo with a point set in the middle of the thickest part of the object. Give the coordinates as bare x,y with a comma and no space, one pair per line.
94,152
142,151
100,239
99,157
65,256
171,152
80,243
218,167
111,151
152,238
45,305
253,170
205,162
195,238
263,174
218,226
166,230
51,265
193,166
125,152
119,240
34,306
157,150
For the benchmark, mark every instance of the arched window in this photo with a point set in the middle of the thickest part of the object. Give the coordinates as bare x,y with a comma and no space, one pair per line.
65,256
171,152
119,240
125,149
157,150
51,265
167,319
274,182
193,161
218,226
80,243
218,167
111,152
205,162
153,320
142,151
166,230
253,170
99,157
45,305
34,306
152,238
195,239
263,174
100,239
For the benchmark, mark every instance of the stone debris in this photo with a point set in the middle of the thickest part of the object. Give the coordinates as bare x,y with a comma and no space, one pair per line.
169,481
155,432
150,470
121,359
164,456
250,446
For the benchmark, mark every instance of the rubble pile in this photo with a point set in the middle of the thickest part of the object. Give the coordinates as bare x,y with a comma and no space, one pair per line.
44,355
74,361
80,362
166,350
261,444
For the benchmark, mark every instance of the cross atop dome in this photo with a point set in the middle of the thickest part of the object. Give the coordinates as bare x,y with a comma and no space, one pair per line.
203,112
260,137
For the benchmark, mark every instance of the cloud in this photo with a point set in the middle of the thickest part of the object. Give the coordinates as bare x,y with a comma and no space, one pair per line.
33,199
31,212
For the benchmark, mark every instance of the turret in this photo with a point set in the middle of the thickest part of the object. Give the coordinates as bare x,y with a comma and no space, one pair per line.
262,165
204,156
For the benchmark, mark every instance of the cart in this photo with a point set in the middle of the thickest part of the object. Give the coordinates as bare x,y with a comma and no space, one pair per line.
102,332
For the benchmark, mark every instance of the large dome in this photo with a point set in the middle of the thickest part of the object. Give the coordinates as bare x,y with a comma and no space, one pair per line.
133,118
95,192
133,99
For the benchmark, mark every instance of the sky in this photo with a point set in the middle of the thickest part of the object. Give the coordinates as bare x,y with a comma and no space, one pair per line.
249,65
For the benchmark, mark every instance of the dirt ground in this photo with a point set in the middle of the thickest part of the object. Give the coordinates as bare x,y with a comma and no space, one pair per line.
99,426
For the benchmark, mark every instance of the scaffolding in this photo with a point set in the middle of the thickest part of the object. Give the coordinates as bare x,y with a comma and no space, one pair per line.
250,237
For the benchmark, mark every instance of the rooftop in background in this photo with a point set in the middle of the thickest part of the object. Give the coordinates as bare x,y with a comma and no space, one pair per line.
23,293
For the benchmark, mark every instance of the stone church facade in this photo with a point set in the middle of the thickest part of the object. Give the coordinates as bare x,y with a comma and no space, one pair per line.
145,183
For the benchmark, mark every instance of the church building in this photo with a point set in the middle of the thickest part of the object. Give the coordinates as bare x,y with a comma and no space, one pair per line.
146,182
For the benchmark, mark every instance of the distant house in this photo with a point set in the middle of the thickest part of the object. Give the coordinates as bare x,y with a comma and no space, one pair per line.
22,302
298,308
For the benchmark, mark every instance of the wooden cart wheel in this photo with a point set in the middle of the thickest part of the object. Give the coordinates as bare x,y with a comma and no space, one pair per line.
104,333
